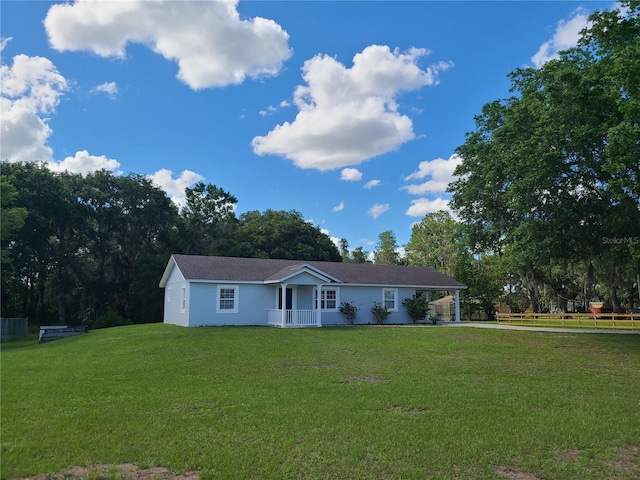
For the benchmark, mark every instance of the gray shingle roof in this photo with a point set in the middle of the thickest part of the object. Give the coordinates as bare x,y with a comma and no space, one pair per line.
235,269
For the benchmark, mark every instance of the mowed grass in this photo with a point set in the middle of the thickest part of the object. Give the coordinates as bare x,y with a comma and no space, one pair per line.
344,402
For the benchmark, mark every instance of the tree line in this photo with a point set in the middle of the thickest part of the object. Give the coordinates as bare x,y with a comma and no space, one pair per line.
91,249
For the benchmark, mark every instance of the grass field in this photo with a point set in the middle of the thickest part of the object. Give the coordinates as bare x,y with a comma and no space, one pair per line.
335,403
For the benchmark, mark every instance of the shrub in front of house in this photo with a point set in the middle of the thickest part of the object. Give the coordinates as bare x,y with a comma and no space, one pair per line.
380,313
350,311
417,307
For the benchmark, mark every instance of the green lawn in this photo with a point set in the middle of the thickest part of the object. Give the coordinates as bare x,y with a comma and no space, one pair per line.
336,403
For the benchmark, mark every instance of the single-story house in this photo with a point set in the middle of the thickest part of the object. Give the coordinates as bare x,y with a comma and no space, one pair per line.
212,290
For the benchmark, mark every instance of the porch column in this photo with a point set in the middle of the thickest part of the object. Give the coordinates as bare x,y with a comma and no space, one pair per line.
283,312
319,306
427,296
457,303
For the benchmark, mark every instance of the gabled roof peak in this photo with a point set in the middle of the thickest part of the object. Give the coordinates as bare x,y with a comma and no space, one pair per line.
292,271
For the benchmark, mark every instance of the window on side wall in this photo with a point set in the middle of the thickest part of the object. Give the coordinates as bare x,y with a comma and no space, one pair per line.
183,299
227,301
390,298
330,298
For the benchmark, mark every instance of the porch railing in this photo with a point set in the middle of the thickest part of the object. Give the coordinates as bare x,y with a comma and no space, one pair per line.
293,318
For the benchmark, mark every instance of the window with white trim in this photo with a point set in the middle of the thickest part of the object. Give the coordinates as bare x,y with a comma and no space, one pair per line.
390,298
329,300
227,301
183,299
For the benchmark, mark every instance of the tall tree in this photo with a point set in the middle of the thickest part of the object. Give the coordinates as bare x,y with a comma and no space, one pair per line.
613,40
12,217
45,250
485,277
11,221
209,220
283,234
131,221
433,242
438,241
386,252
344,250
553,170
359,255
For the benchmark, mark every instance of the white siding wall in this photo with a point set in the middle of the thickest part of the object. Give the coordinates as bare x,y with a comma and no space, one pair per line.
173,313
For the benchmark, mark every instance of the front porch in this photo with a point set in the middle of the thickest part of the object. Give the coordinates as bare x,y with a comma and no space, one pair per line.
300,297
293,318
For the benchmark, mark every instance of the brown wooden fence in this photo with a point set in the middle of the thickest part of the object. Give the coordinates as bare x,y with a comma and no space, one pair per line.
621,321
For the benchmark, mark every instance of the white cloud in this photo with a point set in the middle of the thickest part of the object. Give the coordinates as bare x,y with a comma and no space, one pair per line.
84,163
566,35
272,109
30,90
372,183
175,186
24,133
377,210
339,207
422,206
110,88
211,44
351,175
440,171
367,242
348,115
335,240
33,79
4,41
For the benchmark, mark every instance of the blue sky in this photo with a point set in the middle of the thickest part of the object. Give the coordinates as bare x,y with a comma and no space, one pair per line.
348,112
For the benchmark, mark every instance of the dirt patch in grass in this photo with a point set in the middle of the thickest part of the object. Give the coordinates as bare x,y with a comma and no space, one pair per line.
626,461
408,410
365,379
570,455
506,472
123,471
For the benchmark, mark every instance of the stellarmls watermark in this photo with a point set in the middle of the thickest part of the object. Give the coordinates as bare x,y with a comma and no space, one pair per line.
621,240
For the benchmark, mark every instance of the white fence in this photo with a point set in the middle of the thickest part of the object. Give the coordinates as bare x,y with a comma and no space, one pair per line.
293,318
